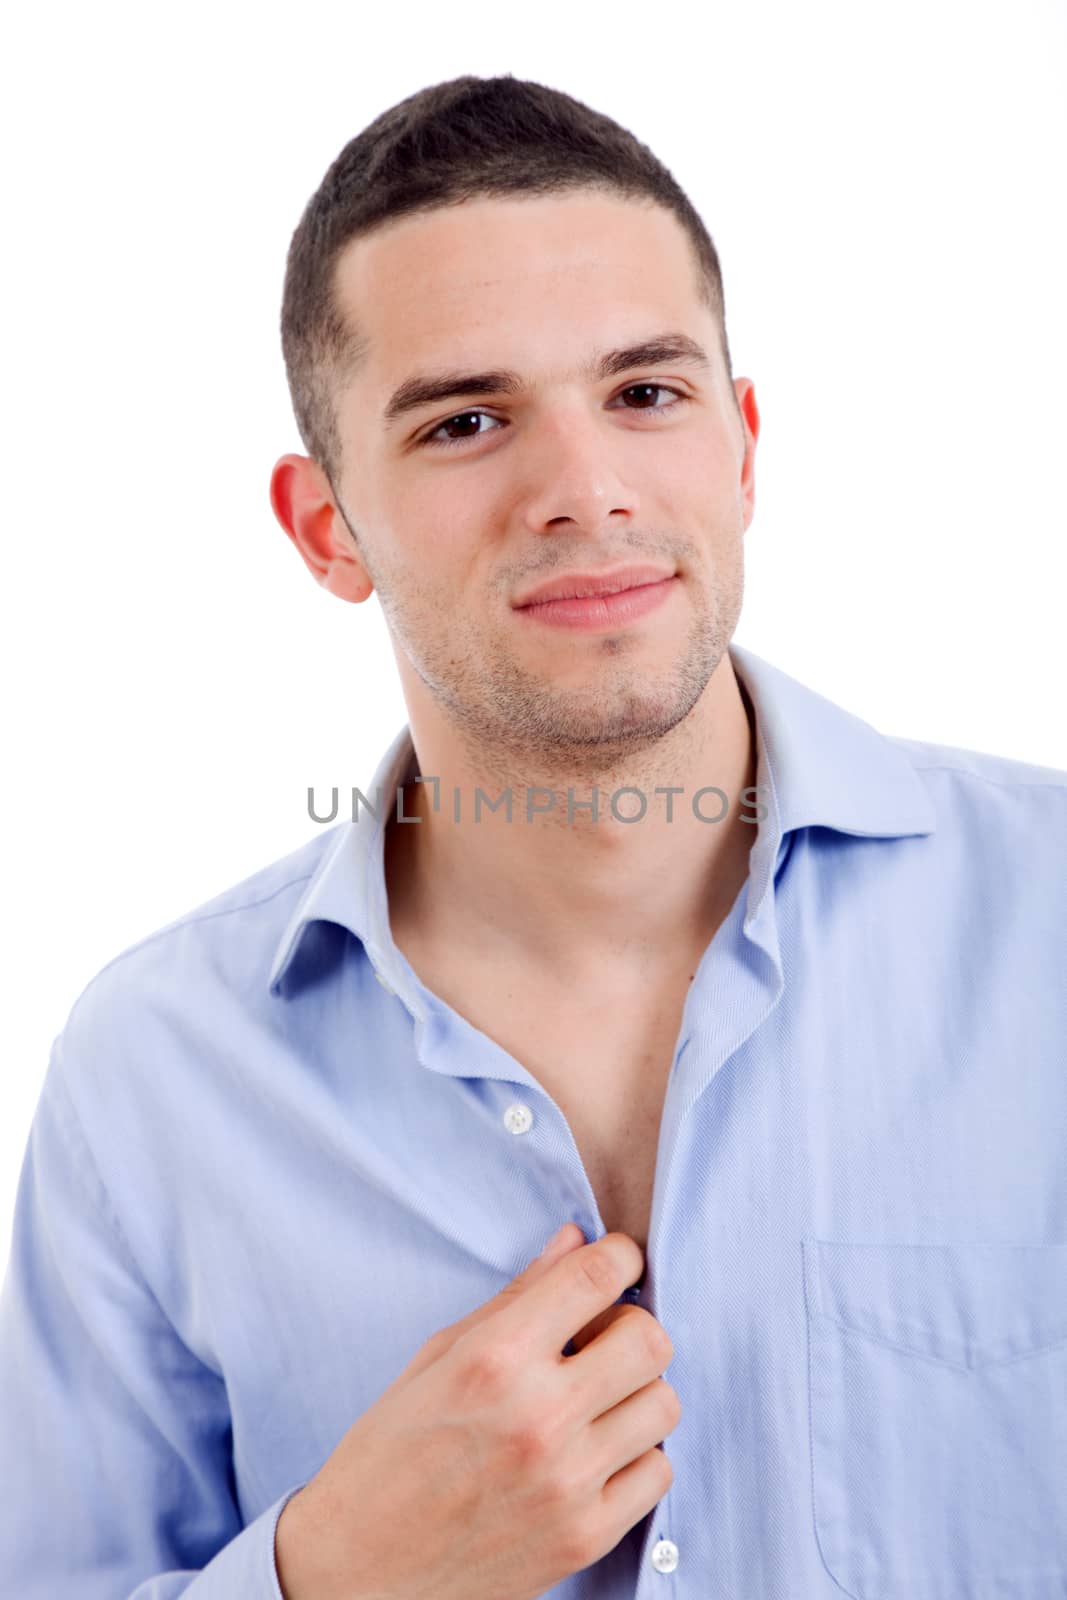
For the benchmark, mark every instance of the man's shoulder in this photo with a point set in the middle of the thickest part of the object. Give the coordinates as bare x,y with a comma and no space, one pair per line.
224,942
978,769
1000,801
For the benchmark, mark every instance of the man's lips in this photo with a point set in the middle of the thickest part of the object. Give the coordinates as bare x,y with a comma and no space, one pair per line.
589,585
594,613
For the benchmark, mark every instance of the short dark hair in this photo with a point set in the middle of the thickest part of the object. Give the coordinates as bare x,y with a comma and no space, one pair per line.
468,138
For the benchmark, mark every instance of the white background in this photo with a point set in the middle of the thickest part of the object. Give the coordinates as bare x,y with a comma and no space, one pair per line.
885,188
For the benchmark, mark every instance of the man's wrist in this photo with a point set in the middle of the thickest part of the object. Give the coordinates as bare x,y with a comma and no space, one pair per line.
291,1545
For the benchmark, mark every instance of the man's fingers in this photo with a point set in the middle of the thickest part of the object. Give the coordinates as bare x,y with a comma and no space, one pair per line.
569,1238
604,1320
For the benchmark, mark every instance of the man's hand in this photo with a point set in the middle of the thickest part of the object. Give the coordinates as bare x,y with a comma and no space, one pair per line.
494,1466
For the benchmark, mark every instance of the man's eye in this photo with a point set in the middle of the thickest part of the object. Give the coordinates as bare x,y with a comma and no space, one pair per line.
436,443
461,416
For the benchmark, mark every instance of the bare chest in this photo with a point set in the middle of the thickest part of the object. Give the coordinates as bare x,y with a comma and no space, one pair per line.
610,1088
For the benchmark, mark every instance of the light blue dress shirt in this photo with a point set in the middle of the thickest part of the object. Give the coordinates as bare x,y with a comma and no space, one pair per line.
267,1163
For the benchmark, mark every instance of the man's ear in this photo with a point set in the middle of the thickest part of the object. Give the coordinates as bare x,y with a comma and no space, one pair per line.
750,423
303,502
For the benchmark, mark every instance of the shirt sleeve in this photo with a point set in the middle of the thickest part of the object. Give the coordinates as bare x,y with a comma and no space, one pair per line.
116,1472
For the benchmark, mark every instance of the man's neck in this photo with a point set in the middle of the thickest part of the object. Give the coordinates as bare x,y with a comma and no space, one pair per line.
563,899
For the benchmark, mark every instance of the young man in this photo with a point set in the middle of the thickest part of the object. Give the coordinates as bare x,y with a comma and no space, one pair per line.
640,935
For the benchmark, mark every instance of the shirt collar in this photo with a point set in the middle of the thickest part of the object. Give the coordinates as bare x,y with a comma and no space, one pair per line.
817,765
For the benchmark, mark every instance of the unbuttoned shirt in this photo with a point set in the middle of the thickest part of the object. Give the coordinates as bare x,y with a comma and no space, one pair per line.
268,1163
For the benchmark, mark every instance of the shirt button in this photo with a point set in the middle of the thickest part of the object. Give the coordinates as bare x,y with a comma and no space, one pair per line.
665,1555
518,1119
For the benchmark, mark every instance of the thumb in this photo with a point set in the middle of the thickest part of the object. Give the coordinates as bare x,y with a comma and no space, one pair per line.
569,1237
560,1243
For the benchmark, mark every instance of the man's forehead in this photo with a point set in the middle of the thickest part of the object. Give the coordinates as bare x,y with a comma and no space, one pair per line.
437,323
502,250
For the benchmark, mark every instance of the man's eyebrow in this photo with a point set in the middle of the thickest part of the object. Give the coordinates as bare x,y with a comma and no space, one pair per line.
428,388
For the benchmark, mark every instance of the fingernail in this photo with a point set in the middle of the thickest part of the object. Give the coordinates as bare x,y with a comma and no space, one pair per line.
554,1240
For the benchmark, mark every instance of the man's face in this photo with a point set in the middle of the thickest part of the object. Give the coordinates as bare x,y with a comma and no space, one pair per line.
571,473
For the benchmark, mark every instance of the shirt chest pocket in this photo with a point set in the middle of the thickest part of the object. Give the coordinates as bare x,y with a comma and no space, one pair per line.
937,1380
